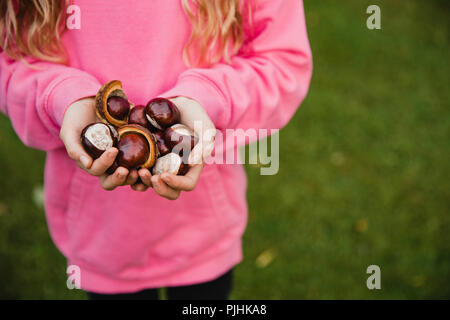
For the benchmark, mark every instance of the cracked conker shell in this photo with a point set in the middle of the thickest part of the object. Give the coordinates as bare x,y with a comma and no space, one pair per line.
171,163
162,113
111,104
98,137
137,147
181,137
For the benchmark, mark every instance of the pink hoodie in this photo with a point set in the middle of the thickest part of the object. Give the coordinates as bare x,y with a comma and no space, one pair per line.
123,240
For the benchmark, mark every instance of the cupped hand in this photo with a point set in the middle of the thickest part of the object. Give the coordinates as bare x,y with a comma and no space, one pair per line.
78,115
169,185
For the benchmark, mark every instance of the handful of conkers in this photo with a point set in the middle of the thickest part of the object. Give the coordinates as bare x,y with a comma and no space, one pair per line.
148,136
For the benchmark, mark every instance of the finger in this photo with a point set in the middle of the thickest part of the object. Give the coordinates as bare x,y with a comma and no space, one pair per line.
139,187
200,152
71,140
208,148
208,136
112,181
163,189
186,182
100,165
196,155
132,178
146,177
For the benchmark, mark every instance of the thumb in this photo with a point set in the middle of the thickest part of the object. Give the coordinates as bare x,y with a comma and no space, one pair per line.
75,150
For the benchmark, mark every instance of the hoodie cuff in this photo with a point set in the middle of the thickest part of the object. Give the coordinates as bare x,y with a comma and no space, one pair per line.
204,92
67,91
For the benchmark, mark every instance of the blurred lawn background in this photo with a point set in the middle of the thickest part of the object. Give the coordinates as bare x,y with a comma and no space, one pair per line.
364,173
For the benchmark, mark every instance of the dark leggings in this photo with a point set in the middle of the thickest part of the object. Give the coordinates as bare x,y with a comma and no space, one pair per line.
218,289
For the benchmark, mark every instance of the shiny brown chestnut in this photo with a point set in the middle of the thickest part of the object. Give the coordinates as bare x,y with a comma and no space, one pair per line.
137,116
118,107
133,151
98,137
137,147
161,143
170,163
162,113
111,104
180,139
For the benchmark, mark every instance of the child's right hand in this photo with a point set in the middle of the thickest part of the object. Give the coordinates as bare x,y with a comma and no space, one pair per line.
78,115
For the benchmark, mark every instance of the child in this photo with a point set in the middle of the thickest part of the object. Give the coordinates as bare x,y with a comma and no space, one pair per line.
227,64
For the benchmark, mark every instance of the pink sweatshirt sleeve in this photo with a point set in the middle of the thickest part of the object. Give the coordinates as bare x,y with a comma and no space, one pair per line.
265,83
35,98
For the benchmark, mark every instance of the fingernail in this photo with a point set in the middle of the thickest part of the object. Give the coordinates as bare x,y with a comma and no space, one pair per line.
165,177
143,172
84,161
112,154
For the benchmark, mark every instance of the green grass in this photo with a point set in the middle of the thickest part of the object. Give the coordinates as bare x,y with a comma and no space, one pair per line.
363,176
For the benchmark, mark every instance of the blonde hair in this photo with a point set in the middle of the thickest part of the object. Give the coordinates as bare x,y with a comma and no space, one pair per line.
33,28
217,30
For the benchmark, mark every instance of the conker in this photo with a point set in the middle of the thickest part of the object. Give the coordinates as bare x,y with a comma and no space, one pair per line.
98,137
170,163
180,137
147,136
111,104
133,150
137,147
161,143
162,113
137,116
118,107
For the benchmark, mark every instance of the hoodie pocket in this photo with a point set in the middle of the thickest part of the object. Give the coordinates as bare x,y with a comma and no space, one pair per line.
220,202
77,190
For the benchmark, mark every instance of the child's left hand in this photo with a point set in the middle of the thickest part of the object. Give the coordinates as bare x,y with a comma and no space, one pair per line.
169,185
